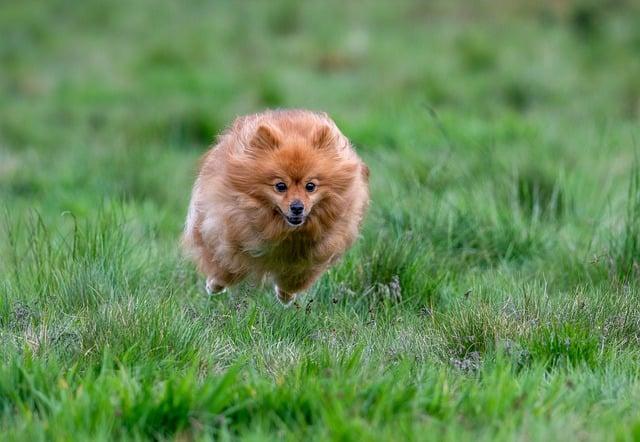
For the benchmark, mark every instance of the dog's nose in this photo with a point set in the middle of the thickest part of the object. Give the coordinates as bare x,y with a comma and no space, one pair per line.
297,207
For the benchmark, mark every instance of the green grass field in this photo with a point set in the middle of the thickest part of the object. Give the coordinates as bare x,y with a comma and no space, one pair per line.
494,294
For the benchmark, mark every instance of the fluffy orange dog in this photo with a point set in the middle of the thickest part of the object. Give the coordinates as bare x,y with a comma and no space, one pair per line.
283,195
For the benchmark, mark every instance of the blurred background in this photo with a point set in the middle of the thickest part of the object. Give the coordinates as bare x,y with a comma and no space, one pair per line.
103,100
529,108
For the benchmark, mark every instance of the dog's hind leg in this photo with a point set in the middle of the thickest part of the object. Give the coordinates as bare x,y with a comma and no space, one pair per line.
212,287
218,278
288,286
285,298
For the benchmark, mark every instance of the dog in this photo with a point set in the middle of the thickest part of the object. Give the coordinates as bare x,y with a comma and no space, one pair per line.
281,195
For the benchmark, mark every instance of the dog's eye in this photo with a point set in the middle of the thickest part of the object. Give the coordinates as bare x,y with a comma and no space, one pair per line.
310,187
281,187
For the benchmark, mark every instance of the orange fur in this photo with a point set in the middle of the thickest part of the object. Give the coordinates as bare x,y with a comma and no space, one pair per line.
239,224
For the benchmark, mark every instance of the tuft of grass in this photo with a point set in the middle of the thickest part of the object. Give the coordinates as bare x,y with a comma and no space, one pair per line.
625,247
538,195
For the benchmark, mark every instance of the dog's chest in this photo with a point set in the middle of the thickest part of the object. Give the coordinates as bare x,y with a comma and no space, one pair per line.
288,252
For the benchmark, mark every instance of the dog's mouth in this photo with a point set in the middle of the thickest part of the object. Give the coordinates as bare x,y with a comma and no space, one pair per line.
294,221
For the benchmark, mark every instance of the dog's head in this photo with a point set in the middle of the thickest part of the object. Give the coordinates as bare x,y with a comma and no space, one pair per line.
297,177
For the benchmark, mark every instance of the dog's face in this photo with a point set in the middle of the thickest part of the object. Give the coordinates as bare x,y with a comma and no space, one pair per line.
294,197
295,177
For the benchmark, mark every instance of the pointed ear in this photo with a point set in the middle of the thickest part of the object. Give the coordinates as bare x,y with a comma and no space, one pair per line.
323,138
265,138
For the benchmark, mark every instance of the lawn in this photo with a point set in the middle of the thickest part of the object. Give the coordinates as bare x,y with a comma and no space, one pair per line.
494,293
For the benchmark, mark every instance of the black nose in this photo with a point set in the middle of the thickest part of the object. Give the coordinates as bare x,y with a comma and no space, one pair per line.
297,207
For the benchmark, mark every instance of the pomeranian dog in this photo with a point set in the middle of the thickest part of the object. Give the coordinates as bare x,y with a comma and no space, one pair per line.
281,195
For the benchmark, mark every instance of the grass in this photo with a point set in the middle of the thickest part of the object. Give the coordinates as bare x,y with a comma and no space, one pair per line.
493,295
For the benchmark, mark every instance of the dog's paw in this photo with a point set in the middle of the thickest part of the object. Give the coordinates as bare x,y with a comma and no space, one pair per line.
285,298
213,288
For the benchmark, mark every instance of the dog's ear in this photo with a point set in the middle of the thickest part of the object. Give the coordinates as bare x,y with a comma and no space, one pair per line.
323,138
265,138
